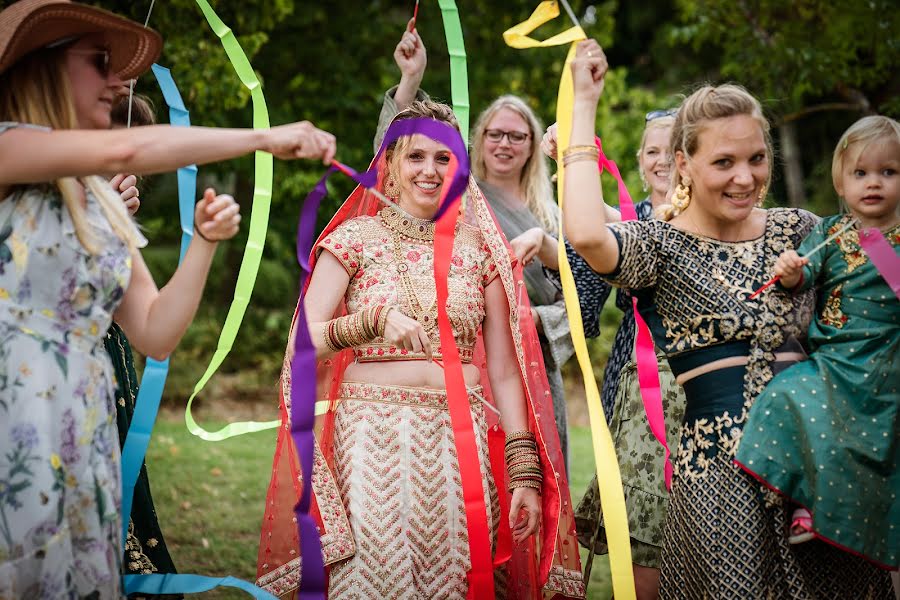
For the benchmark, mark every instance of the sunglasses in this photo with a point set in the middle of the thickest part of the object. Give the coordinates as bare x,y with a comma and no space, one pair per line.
100,59
659,114
514,137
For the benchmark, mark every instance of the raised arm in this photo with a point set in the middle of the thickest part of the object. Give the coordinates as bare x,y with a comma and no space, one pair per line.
146,150
585,225
155,320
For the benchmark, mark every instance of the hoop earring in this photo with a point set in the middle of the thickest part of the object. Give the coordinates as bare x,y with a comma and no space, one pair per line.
681,199
391,189
762,195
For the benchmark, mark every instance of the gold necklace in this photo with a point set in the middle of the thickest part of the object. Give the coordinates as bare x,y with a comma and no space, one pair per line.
417,230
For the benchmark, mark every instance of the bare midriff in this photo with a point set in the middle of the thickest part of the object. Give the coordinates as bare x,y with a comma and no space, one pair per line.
732,361
411,373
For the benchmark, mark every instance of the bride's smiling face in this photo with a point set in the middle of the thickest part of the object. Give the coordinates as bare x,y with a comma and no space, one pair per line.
421,166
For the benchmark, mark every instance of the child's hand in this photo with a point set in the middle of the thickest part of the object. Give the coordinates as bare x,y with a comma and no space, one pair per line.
217,218
789,268
126,187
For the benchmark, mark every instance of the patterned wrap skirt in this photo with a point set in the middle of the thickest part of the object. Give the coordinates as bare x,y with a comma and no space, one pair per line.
726,534
641,463
398,477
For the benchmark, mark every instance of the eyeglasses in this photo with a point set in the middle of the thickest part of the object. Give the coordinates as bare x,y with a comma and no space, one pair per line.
514,137
659,114
100,60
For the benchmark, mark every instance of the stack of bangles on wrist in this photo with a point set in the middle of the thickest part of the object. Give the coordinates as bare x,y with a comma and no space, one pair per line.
522,462
577,153
356,329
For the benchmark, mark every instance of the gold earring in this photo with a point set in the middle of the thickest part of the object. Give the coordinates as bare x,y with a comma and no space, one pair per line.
681,199
391,189
762,195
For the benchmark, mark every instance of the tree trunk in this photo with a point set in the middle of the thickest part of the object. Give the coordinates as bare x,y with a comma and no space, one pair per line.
793,169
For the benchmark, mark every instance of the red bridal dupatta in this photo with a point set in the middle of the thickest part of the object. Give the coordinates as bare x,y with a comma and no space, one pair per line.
545,566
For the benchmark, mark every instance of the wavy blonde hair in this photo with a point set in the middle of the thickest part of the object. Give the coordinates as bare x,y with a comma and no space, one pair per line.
865,131
36,90
535,178
707,104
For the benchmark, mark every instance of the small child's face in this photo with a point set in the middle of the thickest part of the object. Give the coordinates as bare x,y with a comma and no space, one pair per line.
871,179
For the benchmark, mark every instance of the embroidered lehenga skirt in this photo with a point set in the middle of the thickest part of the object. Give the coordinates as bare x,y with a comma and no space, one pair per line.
398,476
726,535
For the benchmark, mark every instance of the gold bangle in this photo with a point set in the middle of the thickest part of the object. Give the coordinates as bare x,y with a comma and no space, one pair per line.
582,148
579,158
519,435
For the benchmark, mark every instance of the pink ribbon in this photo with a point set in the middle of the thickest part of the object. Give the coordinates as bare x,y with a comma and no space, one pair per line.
883,256
644,351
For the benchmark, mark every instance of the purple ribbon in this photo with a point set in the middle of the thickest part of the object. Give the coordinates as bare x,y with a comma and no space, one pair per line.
303,363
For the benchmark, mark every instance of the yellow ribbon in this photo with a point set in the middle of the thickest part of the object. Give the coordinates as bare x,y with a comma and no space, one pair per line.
612,497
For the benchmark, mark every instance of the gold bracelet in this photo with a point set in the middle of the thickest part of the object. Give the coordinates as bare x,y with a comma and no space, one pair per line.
582,148
580,157
519,435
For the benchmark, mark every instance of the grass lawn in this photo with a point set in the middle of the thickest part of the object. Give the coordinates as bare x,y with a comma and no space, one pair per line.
210,496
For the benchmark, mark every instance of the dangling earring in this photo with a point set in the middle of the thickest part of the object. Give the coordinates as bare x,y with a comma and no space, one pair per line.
643,179
391,189
762,195
681,199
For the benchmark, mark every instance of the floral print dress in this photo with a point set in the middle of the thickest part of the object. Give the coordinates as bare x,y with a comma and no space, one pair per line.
60,522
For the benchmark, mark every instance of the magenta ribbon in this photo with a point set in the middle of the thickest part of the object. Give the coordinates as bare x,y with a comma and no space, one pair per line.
644,351
303,363
883,256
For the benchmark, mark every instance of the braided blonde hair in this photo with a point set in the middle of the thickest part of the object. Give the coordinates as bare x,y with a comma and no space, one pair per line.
706,104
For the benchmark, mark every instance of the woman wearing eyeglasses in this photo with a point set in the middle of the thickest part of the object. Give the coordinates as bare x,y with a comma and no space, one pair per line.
510,170
641,457
70,264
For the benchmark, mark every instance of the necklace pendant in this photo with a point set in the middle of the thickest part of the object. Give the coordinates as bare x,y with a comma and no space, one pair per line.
402,267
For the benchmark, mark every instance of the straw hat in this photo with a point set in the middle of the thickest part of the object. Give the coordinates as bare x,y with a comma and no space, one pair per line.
29,25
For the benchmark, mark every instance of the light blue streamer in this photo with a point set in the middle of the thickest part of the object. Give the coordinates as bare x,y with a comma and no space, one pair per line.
153,381
188,584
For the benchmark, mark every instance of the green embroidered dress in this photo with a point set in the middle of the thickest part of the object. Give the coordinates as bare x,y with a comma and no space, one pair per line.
145,549
826,432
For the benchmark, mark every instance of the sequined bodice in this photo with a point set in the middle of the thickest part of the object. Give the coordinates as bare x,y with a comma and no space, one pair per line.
390,260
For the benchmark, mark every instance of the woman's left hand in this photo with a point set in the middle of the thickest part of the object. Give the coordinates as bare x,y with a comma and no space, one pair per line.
525,500
217,218
126,187
527,244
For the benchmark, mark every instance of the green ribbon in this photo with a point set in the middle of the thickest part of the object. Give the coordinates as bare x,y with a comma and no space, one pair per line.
259,220
459,75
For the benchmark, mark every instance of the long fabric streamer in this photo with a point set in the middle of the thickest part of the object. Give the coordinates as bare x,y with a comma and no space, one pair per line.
644,350
303,365
459,76
259,220
612,498
150,392
883,256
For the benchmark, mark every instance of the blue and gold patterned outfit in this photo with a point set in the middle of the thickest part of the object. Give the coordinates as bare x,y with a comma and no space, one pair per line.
725,534
826,432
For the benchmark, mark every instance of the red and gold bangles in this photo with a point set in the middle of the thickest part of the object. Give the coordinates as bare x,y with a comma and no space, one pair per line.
522,462
356,329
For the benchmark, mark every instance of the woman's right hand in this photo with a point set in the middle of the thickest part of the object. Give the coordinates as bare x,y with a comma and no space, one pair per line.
300,140
548,143
410,53
406,333
588,71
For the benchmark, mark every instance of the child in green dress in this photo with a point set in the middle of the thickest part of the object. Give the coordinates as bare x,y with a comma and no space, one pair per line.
826,432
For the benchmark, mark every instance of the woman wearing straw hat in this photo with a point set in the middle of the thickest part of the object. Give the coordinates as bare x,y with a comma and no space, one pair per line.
69,265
